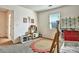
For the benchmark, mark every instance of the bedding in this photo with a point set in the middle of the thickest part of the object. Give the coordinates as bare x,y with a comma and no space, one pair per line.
71,35
71,38
71,43
69,49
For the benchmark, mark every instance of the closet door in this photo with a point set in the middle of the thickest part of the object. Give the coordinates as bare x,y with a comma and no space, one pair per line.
3,24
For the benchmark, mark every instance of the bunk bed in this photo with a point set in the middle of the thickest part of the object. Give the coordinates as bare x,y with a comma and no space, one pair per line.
70,34
71,42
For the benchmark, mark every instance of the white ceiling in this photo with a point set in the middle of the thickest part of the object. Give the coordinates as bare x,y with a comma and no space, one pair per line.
40,7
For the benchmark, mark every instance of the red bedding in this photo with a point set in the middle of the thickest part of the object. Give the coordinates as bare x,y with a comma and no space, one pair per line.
71,35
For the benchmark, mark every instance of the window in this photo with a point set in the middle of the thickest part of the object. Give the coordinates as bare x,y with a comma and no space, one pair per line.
54,17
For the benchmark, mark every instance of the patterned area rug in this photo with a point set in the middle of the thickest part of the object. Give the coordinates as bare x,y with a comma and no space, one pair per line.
41,46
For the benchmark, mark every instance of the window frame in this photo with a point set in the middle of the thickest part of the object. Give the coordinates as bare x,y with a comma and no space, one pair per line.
51,22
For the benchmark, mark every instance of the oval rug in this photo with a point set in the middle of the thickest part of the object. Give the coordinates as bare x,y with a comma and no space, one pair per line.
41,46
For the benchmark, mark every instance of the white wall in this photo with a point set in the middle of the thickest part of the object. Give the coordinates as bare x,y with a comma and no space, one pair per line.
19,12
43,23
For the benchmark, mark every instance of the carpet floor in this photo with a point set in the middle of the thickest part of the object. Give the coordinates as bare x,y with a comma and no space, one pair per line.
6,46
9,47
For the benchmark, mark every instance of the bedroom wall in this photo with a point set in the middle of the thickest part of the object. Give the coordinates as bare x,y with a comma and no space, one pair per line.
43,18
3,24
19,12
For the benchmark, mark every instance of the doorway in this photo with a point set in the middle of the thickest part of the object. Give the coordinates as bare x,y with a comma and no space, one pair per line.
6,26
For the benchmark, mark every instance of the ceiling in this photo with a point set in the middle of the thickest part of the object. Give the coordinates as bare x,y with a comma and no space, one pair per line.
40,7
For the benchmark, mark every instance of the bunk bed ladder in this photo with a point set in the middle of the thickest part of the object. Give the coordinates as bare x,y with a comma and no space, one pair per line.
55,42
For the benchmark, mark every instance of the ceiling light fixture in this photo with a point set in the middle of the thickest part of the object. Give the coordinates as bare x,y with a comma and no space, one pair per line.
49,5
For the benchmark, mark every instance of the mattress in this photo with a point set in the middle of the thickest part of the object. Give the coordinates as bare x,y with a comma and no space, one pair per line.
67,49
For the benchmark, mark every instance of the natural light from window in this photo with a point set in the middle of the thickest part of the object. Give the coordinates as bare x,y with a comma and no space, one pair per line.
54,17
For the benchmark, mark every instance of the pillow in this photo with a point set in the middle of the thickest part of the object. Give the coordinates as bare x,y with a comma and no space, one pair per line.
71,43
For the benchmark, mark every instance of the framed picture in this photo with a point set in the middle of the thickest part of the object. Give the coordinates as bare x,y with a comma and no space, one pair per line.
24,20
32,20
